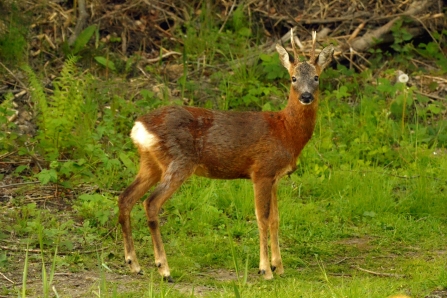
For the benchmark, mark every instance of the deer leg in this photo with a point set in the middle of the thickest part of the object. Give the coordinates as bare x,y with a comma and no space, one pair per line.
148,175
274,226
170,182
263,199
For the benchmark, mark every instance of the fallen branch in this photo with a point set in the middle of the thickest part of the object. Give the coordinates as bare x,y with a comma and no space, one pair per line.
363,43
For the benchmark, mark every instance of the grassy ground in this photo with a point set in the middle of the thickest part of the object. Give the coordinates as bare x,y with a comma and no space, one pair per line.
349,235
364,215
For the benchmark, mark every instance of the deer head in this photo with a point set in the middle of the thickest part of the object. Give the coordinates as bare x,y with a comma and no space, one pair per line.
305,75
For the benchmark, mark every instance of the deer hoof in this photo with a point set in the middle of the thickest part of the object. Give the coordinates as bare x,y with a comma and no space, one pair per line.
168,279
267,274
273,268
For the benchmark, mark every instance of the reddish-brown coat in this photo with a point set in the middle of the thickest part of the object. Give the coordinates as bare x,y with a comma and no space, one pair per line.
175,142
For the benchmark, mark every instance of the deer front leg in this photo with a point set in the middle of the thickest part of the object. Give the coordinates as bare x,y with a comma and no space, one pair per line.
263,198
277,265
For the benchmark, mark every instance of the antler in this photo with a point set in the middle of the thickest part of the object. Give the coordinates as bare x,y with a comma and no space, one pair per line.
314,41
312,52
292,41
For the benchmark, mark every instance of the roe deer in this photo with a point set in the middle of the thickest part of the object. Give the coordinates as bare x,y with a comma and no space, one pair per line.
175,142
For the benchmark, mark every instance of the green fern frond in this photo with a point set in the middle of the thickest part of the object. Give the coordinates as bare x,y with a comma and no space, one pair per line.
38,96
59,113
66,102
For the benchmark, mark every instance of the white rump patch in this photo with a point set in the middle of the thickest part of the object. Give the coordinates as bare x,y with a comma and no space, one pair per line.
142,137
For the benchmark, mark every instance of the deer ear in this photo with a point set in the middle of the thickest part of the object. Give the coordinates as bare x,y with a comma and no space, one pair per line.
325,57
283,56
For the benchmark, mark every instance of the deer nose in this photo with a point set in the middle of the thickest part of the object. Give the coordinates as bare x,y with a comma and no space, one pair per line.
306,98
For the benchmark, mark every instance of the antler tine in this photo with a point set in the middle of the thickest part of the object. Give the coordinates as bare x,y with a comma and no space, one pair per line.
292,41
314,41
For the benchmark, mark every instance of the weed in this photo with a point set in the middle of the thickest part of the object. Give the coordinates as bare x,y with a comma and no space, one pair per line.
80,42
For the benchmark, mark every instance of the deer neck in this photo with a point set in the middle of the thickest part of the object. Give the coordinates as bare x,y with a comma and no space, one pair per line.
300,119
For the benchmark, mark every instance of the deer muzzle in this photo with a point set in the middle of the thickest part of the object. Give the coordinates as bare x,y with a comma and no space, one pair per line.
306,98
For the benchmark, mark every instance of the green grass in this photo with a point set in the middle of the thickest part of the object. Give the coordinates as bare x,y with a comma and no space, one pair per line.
329,228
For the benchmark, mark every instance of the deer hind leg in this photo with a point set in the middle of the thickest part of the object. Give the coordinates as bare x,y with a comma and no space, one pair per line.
277,265
263,201
148,175
171,180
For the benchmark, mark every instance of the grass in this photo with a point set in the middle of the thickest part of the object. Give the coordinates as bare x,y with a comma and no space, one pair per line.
331,229
363,216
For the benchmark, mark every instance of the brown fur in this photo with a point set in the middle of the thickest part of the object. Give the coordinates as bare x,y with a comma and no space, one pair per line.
175,142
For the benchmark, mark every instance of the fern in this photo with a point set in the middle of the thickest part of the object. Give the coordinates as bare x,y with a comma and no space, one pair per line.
66,104
58,114
38,96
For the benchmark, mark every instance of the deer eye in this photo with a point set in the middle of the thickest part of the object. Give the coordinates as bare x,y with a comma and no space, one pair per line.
316,78
293,79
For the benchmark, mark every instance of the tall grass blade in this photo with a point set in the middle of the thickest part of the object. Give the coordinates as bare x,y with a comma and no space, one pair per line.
25,273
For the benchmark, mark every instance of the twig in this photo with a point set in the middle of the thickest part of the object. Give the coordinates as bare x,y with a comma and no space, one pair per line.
162,57
39,251
341,261
4,276
142,71
434,78
429,33
14,76
356,31
228,15
352,17
361,56
352,62
93,251
378,273
63,274
430,95
19,184
340,274
18,249
172,15
11,91
80,23
7,154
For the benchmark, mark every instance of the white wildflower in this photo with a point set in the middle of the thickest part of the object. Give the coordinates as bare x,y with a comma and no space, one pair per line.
402,77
